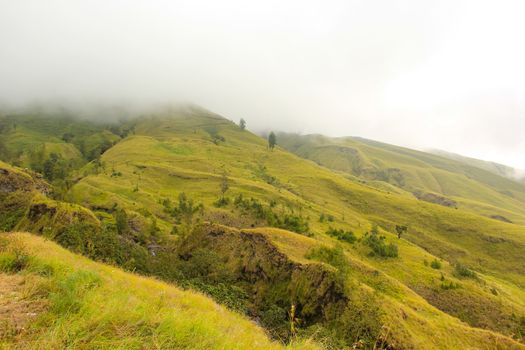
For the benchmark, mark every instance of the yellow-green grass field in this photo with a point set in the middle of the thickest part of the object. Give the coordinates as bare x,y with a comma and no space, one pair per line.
88,305
190,151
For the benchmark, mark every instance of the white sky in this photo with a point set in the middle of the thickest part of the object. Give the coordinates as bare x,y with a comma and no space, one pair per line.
424,74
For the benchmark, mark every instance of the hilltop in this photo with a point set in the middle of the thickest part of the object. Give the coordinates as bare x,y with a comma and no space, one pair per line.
355,244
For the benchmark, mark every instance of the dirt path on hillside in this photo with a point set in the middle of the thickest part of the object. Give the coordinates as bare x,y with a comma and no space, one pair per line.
16,311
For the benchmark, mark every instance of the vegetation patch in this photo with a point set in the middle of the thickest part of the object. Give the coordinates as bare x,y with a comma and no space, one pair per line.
342,235
378,245
287,220
462,271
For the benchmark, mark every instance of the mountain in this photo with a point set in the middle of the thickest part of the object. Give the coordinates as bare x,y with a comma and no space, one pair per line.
446,181
496,168
360,244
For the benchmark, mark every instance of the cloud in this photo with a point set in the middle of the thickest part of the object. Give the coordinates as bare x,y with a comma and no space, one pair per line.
445,74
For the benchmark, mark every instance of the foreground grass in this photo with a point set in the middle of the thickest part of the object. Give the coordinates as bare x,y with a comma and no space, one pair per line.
94,306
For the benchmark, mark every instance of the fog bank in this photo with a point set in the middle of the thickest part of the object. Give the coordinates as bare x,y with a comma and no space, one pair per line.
422,74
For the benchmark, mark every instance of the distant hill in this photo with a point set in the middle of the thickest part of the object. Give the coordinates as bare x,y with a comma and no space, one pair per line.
428,176
496,168
347,241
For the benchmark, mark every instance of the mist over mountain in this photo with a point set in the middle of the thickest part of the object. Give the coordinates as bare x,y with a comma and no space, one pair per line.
298,175
416,73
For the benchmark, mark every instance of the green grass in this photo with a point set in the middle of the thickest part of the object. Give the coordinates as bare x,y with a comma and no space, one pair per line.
471,186
93,306
175,153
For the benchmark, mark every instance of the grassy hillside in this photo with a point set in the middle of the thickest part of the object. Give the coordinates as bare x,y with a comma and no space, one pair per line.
75,303
430,177
496,168
452,272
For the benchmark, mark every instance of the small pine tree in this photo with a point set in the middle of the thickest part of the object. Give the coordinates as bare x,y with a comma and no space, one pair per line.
4,152
272,140
121,220
242,124
224,184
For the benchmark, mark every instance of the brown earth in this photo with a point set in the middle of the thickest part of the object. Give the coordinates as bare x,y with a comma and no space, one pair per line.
16,310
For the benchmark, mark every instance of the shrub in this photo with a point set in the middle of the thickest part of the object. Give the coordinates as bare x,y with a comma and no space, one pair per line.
13,256
262,172
287,221
222,202
185,210
11,262
379,247
450,285
231,296
461,270
275,318
121,219
293,223
435,264
326,217
342,235
333,256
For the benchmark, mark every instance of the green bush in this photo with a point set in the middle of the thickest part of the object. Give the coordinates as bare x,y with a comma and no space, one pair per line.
221,202
461,270
275,319
326,217
435,264
450,285
379,247
293,223
11,262
13,256
333,256
287,221
342,235
231,296
185,210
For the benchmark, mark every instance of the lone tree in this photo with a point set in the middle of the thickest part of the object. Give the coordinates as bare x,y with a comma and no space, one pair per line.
242,124
224,184
272,140
121,220
400,230
4,152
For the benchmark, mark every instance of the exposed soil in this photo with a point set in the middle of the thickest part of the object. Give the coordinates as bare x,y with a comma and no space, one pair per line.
16,312
436,199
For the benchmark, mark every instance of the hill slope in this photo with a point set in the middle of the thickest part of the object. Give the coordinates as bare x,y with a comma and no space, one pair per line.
431,177
144,192
76,303
496,168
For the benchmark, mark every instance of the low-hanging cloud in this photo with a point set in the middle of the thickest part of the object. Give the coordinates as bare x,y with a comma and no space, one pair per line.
424,74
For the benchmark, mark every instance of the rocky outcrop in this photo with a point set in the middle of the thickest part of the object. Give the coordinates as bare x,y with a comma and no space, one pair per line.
269,277
13,180
436,199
